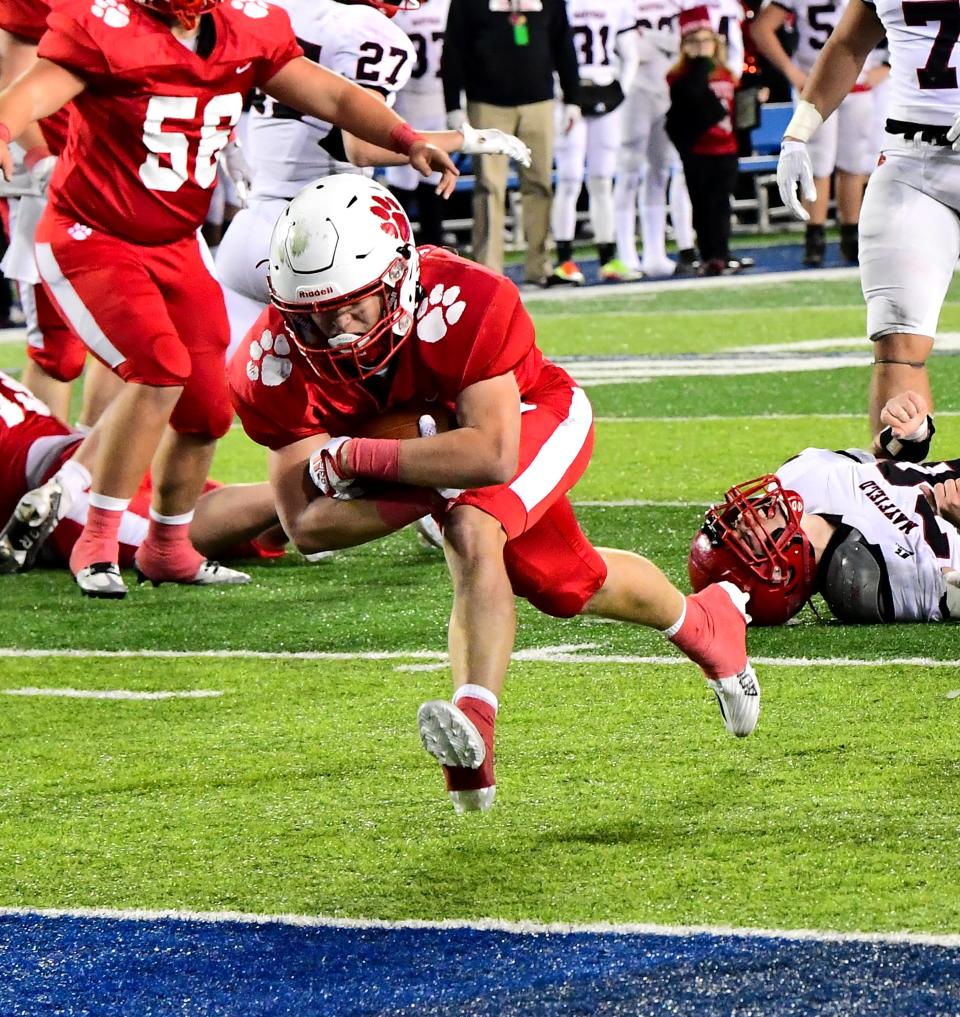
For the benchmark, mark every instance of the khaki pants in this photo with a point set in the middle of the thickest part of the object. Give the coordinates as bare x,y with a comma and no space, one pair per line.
534,125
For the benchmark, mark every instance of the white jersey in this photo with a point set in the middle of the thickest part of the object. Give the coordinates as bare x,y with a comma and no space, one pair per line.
657,23
814,25
283,145
595,25
425,29
883,500
923,66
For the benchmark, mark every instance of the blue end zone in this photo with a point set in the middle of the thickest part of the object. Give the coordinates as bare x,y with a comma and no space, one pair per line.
99,966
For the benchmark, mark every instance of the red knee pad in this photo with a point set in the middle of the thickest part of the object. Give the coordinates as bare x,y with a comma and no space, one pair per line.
63,353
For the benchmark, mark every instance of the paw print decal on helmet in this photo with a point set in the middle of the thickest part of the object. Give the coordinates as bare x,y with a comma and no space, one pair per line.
114,13
393,219
269,359
78,231
440,309
252,8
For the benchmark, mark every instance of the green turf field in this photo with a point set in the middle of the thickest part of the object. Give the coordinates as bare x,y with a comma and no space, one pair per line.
301,785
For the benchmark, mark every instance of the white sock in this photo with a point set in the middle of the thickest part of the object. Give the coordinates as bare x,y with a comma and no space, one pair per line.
476,692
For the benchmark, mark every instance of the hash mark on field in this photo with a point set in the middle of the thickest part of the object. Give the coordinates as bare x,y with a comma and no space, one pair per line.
572,653
112,693
528,928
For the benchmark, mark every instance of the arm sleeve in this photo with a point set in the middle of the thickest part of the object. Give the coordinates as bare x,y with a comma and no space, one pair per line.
564,55
452,60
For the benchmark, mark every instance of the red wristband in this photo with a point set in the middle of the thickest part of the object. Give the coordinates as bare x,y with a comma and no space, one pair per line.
374,457
35,154
402,138
5,133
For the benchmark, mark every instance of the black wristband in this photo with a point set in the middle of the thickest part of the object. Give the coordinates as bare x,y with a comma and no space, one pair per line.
907,451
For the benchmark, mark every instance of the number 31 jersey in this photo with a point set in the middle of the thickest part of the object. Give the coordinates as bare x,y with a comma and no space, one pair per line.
884,501
922,40
141,155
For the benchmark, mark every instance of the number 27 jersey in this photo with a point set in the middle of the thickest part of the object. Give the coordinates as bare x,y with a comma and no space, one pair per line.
922,40
141,155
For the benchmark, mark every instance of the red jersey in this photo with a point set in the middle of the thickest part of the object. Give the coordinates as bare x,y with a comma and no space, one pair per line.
470,325
27,19
24,420
140,161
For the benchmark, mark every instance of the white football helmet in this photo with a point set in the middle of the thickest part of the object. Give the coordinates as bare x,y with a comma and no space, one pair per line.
343,238
388,7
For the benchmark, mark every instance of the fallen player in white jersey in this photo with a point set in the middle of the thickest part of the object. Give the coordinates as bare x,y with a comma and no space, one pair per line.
873,532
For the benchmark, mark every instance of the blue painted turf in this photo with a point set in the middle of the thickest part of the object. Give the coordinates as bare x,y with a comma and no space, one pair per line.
110,967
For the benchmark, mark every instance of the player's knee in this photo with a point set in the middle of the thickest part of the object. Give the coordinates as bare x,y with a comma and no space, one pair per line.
63,364
471,537
902,348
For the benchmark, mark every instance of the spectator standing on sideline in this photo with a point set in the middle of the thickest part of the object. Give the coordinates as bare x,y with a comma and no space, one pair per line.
699,123
847,142
502,54
421,102
606,41
128,195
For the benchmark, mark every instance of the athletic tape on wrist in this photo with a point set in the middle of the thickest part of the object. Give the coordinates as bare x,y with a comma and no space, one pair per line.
804,122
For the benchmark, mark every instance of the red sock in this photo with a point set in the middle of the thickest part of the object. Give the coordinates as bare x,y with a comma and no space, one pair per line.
167,554
98,541
484,717
712,633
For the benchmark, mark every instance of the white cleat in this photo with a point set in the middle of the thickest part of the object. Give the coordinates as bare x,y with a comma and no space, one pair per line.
449,735
101,580
739,701
36,516
210,573
429,534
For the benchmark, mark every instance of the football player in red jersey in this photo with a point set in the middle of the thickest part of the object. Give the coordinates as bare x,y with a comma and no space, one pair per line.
44,495
156,89
361,323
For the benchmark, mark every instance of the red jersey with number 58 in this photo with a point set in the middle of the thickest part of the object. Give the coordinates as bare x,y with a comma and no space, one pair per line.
140,161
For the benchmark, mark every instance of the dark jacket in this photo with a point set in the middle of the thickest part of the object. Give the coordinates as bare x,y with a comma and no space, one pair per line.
482,58
701,104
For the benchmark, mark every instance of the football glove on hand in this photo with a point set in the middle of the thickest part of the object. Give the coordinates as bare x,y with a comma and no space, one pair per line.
427,426
456,118
572,115
793,168
327,470
237,169
490,141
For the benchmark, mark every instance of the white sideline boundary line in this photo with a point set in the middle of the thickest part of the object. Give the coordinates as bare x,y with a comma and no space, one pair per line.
112,693
523,928
565,654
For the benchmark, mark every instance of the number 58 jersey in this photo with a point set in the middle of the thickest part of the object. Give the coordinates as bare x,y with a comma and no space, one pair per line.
884,500
140,160
922,38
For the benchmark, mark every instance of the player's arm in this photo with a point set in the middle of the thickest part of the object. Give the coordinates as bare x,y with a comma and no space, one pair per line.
839,64
481,451
763,31
328,96
907,429
315,523
16,57
42,90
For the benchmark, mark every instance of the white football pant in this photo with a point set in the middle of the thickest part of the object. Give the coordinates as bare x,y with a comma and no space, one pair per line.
846,140
909,237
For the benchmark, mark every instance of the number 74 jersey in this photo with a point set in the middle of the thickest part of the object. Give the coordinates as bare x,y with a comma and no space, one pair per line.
140,160
921,38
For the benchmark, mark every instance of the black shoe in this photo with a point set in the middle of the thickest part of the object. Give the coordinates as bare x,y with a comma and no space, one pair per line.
850,242
815,247
36,516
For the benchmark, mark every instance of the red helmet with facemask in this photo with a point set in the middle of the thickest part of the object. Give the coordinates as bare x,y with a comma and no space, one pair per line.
755,540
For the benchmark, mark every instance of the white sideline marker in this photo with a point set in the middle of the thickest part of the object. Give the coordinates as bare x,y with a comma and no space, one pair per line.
484,925
112,693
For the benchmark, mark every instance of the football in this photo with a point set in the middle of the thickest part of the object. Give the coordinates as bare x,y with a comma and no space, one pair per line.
402,422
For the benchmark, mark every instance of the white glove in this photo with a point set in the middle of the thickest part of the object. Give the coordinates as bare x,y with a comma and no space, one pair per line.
237,169
572,115
490,141
326,470
953,135
41,171
953,593
456,118
427,426
793,168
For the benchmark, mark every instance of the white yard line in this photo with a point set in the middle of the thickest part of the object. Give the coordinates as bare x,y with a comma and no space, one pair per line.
111,693
714,418
482,925
572,653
